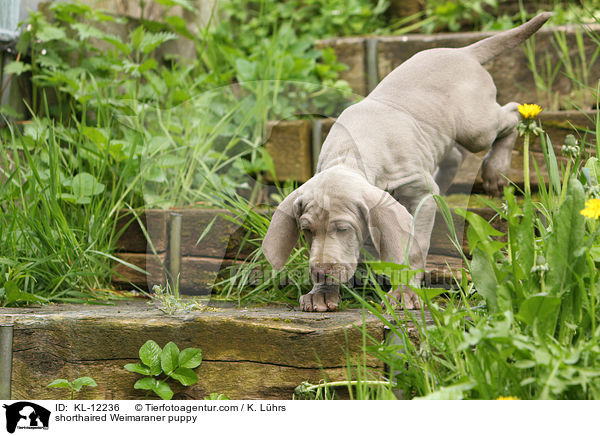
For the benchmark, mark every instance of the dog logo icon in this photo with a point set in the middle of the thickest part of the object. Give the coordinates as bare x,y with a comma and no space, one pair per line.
26,415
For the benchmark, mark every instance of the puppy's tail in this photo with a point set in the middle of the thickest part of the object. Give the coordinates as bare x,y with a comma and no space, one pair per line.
491,47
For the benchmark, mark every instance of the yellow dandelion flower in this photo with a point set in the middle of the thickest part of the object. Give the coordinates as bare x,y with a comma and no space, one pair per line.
592,208
506,398
529,111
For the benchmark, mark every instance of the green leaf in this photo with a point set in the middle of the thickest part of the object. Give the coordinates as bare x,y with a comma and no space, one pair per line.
564,244
146,383
139,368
150,354
215,396
484,278
96,135
13,294
453,392
83,381
60,383
50,33
190,358
246,70
169,359
151,41
185,376
540,311
428,293
84,185
136,37
163,390
17,68
183,3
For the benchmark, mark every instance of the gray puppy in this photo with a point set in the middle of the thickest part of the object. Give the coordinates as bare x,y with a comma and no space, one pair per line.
399,146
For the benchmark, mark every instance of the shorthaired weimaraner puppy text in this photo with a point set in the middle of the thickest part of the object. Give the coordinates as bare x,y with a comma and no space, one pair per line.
386,156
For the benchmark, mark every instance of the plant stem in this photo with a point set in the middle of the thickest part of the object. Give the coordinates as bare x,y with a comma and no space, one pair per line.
526,164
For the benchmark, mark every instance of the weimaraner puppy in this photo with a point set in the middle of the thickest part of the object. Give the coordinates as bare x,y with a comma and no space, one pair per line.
387,155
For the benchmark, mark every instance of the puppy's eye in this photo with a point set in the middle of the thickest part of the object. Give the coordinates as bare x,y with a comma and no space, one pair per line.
342,229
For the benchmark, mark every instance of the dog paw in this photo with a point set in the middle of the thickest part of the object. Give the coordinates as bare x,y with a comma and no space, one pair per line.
493,178
401,298
320,300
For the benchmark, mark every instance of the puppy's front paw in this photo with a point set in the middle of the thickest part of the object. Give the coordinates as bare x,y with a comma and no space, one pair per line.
399,297
321,299
493,176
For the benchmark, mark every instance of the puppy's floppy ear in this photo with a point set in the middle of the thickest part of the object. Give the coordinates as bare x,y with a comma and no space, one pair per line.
283,231
390,224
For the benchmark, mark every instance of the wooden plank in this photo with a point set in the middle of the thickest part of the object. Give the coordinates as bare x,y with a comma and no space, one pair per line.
350,51
132,239
250,353
222,241
199,274
125,277
289,144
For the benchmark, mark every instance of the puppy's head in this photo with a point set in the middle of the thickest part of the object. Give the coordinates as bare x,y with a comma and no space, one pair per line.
336,211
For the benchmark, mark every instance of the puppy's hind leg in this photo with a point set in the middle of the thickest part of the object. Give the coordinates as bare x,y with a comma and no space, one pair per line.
444,175
496,163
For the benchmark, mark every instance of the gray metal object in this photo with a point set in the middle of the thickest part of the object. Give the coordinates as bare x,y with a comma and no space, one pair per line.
9,19
6,354
372,67
317,141
174,247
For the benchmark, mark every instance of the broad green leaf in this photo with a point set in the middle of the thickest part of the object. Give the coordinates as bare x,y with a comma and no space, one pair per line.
190,358
169,359
17,68
96,135
163,390
86,31
50,33
484,278
479,232
593,171
152,40
139,368
60,383
83,381
136,37
13,294
146,383
185,376
246,70
520,237
540,311
150,354
563,253
84,185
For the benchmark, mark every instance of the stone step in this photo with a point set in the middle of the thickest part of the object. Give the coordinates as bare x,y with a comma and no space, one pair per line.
249,353
371,58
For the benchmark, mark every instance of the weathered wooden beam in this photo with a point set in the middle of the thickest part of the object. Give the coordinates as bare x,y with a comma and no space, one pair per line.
249,353
289,144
